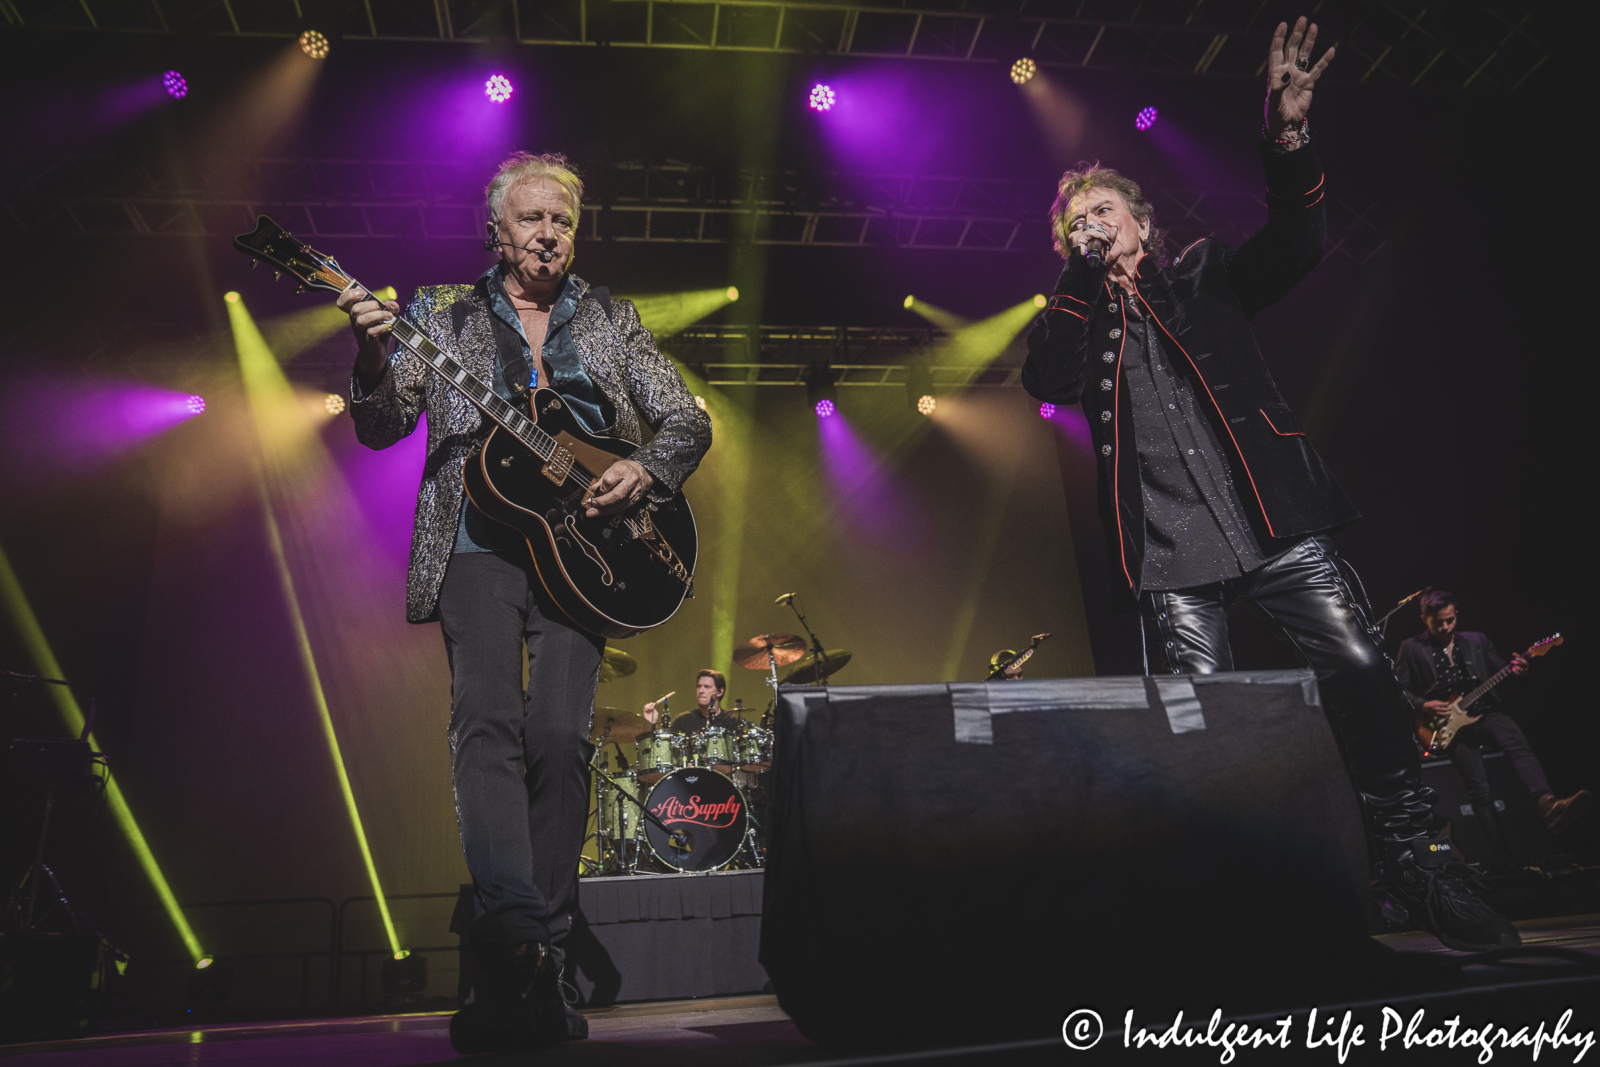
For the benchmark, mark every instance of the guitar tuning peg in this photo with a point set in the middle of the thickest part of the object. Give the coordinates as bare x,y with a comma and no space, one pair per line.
254,263
299,289
277,274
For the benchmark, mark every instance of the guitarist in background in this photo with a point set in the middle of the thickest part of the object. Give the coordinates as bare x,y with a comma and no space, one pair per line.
519,759
1444,661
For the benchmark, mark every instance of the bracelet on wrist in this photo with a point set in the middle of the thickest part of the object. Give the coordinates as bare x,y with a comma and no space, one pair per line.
1297,135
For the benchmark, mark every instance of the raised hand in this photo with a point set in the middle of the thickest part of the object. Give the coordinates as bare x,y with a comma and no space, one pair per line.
1290,75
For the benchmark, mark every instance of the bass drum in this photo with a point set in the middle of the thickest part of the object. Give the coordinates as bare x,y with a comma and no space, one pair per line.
707,814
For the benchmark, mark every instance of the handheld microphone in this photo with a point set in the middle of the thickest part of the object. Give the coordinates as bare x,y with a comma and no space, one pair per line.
1095,253
785,598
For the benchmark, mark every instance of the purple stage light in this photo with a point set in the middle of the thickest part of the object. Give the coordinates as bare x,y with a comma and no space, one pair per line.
195,404
1146,119
498,88
175,85
822,98
1047,410
825,408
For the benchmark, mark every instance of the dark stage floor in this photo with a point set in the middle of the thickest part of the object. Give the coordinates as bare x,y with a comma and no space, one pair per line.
711,1032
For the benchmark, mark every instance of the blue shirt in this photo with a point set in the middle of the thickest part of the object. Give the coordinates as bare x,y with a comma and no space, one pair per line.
475,532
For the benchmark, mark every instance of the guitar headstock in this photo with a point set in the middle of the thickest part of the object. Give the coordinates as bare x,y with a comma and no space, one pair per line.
1544,646
271,243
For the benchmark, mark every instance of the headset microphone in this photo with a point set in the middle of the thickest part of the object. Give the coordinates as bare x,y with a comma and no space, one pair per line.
544,254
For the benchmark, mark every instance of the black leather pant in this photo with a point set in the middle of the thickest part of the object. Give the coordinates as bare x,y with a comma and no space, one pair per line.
1314,601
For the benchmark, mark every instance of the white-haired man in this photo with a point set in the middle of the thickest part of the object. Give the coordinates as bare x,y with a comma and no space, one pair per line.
1210,493
519,758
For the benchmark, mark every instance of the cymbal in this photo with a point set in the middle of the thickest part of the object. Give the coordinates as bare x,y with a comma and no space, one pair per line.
786,648
808,669
623,725
615,663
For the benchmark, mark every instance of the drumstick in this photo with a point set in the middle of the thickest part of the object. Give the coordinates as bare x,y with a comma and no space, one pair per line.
658,700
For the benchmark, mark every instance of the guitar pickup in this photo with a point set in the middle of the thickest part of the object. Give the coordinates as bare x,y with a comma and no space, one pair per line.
559,465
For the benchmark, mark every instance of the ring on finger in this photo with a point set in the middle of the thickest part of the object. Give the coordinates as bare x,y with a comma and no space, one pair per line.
1302,64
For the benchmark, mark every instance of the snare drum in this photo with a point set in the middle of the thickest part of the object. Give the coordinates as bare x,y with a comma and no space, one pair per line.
755,749
714,747
660,752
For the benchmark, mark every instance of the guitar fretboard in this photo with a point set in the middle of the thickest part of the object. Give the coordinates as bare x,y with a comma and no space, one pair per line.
474,389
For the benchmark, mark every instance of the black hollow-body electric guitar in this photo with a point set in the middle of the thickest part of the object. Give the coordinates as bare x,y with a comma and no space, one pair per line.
616,575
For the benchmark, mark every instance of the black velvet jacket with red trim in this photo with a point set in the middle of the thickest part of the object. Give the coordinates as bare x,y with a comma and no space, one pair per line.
1201,305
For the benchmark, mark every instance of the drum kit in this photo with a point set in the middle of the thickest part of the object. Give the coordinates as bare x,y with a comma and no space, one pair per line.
690,802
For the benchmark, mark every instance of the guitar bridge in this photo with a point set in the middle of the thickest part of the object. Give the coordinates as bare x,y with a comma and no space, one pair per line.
559,465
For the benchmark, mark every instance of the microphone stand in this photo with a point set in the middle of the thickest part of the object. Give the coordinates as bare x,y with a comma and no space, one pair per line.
821,656
1383,623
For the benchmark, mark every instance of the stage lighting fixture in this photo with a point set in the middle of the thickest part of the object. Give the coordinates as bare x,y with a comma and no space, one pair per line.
700,402
232,298
314,44
1047,410
195,405
334,403
822,98
926,403
175,85
204,961
821,388
1039,301
498,88
909,301
1023,70
733,294
1146,119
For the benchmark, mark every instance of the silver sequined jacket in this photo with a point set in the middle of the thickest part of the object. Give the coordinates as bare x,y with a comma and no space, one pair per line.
619,355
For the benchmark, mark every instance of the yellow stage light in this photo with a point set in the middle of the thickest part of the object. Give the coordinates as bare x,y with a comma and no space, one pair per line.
664,314
314,44
280,429
334,403
1023,70
700,402
44,661
945,320
204,961
926,404
1039,300
909,301
232,298
401,954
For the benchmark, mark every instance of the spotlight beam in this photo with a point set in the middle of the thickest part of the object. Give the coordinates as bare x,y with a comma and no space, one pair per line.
664,314
44,660
283,434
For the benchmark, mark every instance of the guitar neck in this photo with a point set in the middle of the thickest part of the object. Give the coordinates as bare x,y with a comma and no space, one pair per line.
1477,694
473,388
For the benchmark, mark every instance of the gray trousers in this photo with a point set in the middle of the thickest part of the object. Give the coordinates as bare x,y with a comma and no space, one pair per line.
519,760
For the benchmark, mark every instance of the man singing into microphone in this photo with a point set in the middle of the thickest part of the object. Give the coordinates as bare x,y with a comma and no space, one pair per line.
1210,493
520,759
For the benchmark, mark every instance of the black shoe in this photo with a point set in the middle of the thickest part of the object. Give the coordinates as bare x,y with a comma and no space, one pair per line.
522,1012
1436,893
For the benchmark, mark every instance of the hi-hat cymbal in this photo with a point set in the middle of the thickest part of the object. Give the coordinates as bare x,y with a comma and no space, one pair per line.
809,670
615,663
616,724
785,649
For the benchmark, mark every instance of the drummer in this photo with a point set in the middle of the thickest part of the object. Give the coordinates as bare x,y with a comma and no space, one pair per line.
1014,672
709,687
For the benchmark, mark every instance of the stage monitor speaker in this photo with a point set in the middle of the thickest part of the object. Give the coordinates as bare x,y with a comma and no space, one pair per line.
971,862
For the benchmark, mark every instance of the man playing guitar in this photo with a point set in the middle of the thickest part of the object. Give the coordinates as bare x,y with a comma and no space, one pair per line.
1444,660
